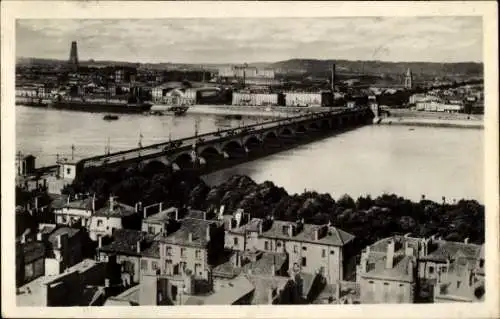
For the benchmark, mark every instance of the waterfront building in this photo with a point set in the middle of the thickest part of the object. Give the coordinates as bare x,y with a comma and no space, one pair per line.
303,99
255,99
310,248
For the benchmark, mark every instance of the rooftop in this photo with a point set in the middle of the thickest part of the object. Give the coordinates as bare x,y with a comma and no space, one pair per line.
377,269
62,231
449,249
115,209
125,242
230,293
85,204
196,227
161,217
332,237
262,286
129,297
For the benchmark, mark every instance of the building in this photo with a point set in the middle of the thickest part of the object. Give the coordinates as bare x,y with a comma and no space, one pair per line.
303,99
126,248
25,165
310,248
255,99
66,169
75,212
30,261
387,276
436,266
190,245
64,249
112,216
80,285
73,56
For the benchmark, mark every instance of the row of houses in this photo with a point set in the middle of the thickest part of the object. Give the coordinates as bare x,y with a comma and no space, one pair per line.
181,256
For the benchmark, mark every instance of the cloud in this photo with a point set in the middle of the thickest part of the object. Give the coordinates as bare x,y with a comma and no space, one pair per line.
237,40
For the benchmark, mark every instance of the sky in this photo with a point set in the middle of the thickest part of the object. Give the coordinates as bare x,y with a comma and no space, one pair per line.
231,40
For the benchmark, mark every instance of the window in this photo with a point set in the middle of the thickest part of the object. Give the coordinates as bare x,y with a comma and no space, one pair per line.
235,240
266,245
168,267
295,249
323,253
332,252
168,251
198,254
154,265
278,243
197,269
304,262
481,263
458,284
68,171
431,270
151,230
99,222
370,282
183,252
144,264
304,248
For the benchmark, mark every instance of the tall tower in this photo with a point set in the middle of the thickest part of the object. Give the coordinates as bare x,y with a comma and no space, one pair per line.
408,79
73,56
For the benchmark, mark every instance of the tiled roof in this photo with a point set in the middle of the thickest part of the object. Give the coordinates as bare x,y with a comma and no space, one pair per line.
152,251
235,290
252,226
198,229
262,286
125,242
161,217
333,237
376,267
448,249
47,229
58,201
263,266
62,231
80,204
381,245
119,210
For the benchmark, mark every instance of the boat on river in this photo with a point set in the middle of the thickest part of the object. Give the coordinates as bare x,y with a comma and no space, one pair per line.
110,117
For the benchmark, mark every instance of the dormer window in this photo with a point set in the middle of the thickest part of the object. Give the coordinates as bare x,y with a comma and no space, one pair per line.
481,263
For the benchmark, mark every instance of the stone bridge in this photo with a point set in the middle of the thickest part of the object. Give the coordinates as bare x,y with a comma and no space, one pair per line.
236,142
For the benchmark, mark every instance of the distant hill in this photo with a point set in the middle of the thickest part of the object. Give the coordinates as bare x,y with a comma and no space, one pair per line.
380,67
313,66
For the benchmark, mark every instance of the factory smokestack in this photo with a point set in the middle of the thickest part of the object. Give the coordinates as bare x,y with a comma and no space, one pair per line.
333,78
73,56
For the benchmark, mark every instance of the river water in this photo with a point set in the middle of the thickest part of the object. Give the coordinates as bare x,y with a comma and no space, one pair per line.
370,160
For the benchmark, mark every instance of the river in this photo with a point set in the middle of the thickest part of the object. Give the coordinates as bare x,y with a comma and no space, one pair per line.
370,160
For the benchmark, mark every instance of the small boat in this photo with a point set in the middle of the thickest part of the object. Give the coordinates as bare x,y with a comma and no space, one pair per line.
234,117
109,117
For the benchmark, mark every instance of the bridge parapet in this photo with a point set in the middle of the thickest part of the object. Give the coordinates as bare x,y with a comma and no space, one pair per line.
168,151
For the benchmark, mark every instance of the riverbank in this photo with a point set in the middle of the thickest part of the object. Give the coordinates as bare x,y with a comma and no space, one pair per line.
251,111
432,119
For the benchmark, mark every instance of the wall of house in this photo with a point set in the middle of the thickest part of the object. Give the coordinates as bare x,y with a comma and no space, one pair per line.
254,99
234,241
104,226
384,291
152,228
34,270
194,258
131,265
69,216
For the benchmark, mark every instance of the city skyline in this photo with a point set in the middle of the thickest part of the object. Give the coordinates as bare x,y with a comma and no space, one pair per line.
231,40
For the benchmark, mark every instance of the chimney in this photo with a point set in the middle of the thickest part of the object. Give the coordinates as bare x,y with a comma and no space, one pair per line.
364,263
316,234
136,208
36,202
390,254
333,78
190,237
67,200
39,237
410,268
161,207
145,212
138,247
407,235
99,241
290,230
204,215
59,241
111,203
273,267
466,240
93,203
208,232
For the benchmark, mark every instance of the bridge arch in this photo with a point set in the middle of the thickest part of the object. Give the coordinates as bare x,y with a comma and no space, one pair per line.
209,154
301,128
251,141
183,160
314,125
269,135
287,131
232,148
325,124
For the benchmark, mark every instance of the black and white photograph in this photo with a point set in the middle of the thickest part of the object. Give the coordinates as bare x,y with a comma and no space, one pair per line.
222,160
